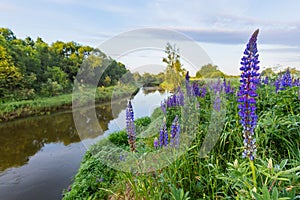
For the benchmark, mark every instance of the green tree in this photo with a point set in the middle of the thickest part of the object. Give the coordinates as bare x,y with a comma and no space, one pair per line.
268,72
10,76
174,67
210,71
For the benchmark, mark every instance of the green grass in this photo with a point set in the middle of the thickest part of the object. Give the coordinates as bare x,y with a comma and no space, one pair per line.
47,105
222,173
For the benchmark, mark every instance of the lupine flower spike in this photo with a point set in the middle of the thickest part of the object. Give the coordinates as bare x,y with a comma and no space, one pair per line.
175,133
247,94
163,134
155,143
187,84
130,127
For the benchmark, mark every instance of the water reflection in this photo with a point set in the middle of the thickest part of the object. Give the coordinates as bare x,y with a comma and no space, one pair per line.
40,155
23,138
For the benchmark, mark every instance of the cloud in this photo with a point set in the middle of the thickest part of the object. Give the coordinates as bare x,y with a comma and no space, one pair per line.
231,36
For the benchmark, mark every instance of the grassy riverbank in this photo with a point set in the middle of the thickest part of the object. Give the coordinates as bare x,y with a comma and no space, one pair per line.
47,105
106,172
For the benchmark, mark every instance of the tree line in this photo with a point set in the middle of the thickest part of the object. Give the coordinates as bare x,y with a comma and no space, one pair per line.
31,68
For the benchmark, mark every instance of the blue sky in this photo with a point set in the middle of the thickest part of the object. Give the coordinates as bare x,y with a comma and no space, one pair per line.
221,28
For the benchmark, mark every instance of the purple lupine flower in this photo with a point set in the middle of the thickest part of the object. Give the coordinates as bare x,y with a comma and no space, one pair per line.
122,157
247,93
266,80
175,133
155,143
217,103
217,87
188,85
227,87
277,84
180,97
163,134
196,90
296,82
99,179
286,80
130,126
203,91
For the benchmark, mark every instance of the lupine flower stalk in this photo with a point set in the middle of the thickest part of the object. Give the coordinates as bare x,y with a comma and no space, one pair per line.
180,97
277,84
175,133
247,94
130,127
286,80
203,91
155,143
188,85
163,106
266,80
196,89
175,100
296,82
163,134
227,87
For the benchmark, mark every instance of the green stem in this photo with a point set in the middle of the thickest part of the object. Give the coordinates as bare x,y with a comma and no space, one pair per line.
253,173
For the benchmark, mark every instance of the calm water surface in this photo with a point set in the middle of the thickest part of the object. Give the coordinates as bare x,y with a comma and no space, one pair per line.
39,156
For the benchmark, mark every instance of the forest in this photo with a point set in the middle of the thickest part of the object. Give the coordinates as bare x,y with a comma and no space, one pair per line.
32,68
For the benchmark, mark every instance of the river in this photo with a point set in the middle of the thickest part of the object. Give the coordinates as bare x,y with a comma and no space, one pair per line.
39,156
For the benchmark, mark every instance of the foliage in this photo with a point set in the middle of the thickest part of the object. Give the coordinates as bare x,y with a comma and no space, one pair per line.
210,71
29,68
223,173
174,70
46,105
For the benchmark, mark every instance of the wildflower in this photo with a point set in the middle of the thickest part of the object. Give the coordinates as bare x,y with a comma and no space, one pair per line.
180,98
296,82
163,134
227,87
99,180
217,87
69,188
175,131
266,80
277,84
187,84
286,80
203,91
247,93
196,90
130,127
217,102
122,157
156,143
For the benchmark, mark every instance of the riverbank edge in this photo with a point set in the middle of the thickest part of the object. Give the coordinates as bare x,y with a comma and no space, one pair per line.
49,105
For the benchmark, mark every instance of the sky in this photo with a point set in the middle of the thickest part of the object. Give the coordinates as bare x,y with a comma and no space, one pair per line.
221,28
